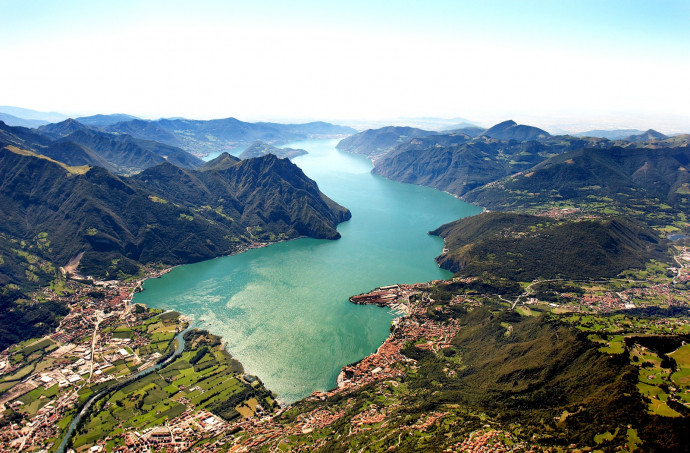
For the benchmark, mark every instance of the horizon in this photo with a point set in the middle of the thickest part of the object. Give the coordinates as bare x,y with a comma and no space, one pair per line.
573,66
428,123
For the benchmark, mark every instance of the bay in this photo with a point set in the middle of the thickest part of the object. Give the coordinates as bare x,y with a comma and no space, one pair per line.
283,310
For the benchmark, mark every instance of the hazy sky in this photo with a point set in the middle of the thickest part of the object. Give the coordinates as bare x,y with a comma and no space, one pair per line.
581,62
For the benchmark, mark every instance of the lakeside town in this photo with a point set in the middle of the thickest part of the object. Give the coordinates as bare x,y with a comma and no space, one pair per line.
105,340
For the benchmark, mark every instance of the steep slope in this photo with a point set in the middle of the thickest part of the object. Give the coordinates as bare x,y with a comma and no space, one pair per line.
129,154
75,154
458,164
22,137
523,247
510,130
259,148
164,215
75,144
628,177
259,191
62,129
222,162
146,130
375,143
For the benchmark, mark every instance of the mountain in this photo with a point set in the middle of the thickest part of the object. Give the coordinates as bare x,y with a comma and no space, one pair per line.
458,163
632,180
130,154
379,144
62,129
168,215
510,130
74,154
22,137
12,120
76,144
105,120
259,148
649,135
204,137
525,247
614,134
375,143
28,114
222,162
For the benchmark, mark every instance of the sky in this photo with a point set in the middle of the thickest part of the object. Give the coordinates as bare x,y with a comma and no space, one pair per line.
578,64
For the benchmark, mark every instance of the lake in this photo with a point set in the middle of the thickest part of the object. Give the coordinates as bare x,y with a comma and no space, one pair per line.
283,310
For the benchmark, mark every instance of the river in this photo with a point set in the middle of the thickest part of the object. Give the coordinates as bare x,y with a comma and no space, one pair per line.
283,310
179,339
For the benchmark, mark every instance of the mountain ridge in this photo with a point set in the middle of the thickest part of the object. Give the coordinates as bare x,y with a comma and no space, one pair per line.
120,222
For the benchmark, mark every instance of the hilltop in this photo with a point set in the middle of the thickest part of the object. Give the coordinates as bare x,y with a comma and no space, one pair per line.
510,130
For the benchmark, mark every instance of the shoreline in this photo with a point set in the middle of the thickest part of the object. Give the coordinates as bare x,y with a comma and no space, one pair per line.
198,325
395,303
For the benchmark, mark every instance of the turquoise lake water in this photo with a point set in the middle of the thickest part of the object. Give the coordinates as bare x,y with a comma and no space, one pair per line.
283,310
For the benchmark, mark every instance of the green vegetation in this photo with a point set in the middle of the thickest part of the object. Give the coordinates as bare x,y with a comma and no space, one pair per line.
204,375
523,248
21,319
128,225
546,383
636,182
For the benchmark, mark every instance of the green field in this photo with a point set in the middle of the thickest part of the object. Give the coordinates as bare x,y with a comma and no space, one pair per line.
153,399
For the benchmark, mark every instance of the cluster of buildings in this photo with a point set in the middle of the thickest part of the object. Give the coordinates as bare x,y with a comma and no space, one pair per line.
490,441
179,434
381,366
559,213
638,297
83,356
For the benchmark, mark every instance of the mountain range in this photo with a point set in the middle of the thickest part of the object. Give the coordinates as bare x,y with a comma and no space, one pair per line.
636,180
74,143
458,162
204,137
165,214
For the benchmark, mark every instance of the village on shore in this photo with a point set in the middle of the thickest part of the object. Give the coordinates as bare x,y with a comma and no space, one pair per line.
106,339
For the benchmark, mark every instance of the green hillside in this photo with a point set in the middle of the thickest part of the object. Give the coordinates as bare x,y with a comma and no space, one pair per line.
164,215
650,183
523,247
